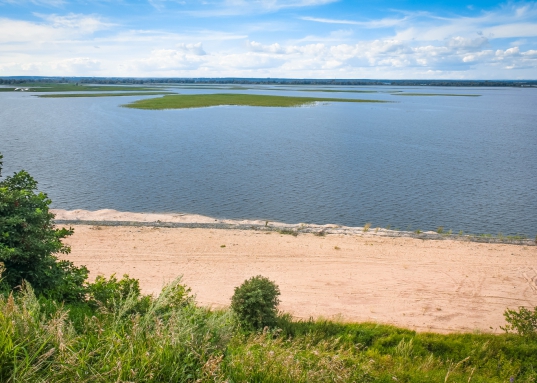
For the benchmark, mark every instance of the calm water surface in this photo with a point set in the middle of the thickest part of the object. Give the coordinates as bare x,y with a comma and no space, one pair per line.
465,163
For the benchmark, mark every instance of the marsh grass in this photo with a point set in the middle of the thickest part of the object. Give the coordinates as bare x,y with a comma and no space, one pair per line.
70,95
206,100
211,87
334,90
54,87
436,94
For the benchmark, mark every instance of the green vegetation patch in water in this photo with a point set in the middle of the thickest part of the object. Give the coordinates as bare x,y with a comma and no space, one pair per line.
209,87
206,100
336,91
436,94
63,95
39,87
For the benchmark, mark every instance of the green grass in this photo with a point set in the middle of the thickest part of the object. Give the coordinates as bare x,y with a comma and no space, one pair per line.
436,94
208,87
321,351
336,91
206,100
40,87
163,339
64,95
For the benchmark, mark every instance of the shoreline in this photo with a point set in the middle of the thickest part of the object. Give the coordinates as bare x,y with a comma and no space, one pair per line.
110,217
441,286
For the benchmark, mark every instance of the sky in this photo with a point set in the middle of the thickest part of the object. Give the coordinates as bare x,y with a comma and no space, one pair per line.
328,39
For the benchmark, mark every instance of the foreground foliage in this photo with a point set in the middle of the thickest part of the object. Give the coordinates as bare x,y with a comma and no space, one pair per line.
523,321
169,340
29,242
119,335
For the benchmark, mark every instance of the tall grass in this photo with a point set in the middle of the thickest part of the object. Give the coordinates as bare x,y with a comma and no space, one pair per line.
169,338
165,343
324,351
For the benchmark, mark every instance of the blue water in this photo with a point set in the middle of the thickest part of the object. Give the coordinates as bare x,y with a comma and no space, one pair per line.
464,163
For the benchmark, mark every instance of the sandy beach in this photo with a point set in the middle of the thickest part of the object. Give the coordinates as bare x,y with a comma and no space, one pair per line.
426,285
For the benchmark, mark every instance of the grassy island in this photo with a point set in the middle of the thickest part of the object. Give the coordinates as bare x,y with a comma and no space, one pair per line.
60,87
63,95
205,100
336,90
435,94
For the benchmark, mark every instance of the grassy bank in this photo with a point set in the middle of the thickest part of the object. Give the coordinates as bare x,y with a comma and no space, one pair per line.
206,100
118,335
64,95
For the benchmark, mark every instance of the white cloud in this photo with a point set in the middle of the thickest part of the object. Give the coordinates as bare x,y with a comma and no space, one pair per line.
76,65
67,67
52,29
512,30
50,3
467,44
381,23
168,60
195,49
414,45
241,7
81,23
273,5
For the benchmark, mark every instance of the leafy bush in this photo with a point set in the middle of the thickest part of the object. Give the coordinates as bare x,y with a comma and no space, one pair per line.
112,293
523,321
29,242
255,303
106,293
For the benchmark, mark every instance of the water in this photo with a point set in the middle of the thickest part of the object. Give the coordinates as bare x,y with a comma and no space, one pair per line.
464,163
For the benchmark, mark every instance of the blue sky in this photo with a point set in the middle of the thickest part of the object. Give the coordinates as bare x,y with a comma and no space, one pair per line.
381,39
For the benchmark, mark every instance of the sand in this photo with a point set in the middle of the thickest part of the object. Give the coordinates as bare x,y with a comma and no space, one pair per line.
425,285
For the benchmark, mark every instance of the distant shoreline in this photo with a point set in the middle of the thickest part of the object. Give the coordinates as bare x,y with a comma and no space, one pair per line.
109,217
8,80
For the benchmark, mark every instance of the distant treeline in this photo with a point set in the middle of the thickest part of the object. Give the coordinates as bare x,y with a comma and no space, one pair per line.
263,81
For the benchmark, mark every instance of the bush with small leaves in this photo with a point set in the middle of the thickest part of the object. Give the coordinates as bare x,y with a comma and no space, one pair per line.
255,303
106,293
523,321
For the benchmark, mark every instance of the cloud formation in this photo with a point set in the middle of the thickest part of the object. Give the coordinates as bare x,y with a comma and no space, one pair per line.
495,43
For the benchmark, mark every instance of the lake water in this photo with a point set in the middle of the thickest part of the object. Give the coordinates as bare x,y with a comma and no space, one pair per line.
464,163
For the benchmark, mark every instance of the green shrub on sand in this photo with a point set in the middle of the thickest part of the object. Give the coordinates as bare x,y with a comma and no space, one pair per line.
255,303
